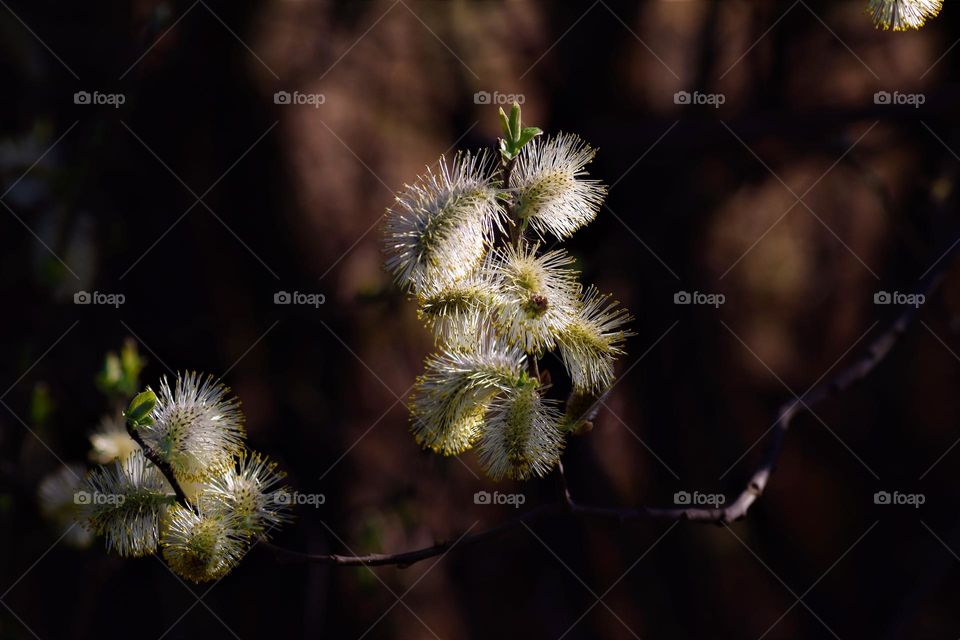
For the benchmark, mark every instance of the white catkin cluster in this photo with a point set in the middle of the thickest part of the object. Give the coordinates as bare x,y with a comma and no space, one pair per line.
196,428
901,15
497,302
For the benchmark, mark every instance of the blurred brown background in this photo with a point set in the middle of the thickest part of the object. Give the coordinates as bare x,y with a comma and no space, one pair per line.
701,199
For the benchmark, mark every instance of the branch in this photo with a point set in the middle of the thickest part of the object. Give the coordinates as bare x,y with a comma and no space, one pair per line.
162,465
406,558
736,510
828,389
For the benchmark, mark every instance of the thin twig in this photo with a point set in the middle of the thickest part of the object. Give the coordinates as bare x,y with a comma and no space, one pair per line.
736,510
162,465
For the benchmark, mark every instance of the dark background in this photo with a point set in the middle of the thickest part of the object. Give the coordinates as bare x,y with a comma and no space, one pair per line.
295,194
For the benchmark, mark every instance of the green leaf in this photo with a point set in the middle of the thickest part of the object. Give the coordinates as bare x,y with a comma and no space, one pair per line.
515,123
514,137
504,123
138,413
526,135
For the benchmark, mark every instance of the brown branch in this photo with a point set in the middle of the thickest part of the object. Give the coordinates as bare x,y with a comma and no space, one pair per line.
736,510
162,465
844,379
406,558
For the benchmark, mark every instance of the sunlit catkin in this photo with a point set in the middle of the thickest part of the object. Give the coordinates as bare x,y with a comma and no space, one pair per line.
197,426
901,15
469,244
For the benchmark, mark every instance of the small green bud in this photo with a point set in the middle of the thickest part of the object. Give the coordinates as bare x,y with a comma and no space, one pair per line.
514,137
515,123
504,148
504,124
138,413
